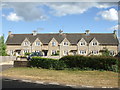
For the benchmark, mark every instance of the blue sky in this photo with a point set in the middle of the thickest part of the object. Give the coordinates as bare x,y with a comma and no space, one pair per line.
51,17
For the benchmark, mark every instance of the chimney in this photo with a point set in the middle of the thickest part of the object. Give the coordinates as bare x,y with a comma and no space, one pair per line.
9,33
60,31
115,32
87,32
34,33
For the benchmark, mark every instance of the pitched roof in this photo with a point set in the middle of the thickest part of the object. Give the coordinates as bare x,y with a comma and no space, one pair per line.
103,38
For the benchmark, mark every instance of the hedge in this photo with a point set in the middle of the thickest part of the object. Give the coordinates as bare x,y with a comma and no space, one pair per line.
47,63
77,62
91,62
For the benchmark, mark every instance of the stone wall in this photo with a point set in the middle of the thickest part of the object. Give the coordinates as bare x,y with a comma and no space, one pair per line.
7,58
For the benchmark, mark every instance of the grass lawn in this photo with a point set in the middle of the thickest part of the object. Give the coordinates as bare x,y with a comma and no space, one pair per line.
89,78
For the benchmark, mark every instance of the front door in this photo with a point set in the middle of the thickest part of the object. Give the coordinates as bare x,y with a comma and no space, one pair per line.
45,52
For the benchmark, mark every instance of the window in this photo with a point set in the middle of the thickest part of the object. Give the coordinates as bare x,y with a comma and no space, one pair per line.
26,51
94,52
112,53
65,52
37,44
53,43
53,52
65,44
37,51
94,43
82,52
26,43
82,43
11,52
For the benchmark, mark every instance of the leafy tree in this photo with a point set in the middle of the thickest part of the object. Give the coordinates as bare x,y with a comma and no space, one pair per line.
106,53
118,55
2,46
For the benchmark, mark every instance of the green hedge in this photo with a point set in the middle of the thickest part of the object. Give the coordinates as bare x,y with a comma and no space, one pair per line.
47,63
77,62
92,62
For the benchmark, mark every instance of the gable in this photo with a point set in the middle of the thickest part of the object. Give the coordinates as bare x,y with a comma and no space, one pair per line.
82,40
37,40
65,40
26,40
73,38
94,40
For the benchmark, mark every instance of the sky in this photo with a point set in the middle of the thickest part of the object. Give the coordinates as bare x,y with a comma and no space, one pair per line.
50,17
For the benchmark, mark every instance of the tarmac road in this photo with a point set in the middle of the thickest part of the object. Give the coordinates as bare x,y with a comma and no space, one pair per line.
9,83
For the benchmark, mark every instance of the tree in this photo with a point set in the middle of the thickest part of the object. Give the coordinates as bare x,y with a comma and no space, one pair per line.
118,55
2,46
106,53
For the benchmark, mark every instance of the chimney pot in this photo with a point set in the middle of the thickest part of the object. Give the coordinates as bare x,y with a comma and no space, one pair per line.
115,32
9,33
60,31
87,32
34,33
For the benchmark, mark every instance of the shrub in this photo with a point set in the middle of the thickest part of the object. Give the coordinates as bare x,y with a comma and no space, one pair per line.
77,62
92,62
47,63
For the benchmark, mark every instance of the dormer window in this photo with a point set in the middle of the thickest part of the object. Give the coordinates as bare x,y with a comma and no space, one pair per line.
26,43
53,43
94,43
65,43
37,43
82,43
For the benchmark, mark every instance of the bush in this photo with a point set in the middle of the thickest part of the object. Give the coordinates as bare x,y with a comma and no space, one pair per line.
92,62
47,63
77,62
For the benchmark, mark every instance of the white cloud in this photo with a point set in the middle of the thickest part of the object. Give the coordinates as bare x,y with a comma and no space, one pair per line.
35,11
13,17
62,9
28,11
116,27
110,14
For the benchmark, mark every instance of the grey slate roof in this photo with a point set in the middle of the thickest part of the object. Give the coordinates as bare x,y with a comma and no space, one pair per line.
103,38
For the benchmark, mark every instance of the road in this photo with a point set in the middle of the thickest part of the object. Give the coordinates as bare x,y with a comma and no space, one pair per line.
10,83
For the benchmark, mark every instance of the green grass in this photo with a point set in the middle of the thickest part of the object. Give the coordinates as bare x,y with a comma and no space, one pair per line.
74,77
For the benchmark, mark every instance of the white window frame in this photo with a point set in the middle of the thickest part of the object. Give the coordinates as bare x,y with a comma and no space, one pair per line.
94,43
53,52
112,53
53,43
11,52
26,51
65,52
37,50
65,43
82,43
37,43
26,43
82,52
95,52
